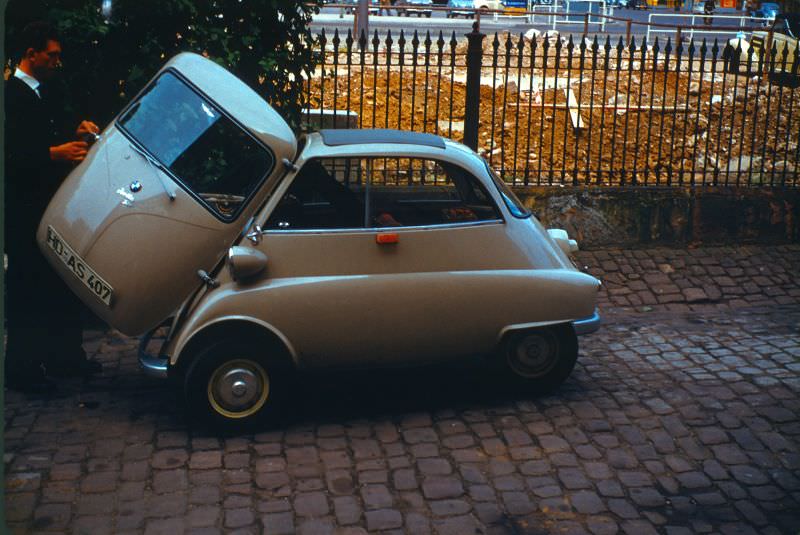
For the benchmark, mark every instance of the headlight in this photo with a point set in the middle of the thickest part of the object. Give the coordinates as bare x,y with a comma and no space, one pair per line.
561,237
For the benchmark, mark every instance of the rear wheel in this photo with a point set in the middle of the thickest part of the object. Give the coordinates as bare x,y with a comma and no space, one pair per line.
230,387
541,358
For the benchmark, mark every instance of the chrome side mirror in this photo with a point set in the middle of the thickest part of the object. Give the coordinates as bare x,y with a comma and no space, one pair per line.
255,235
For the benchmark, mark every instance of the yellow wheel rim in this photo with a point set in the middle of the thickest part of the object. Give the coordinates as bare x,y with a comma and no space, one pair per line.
238,388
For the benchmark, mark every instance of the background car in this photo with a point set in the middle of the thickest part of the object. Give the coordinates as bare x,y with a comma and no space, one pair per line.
767,10
352,5
699,7
469,7
628,4
418,7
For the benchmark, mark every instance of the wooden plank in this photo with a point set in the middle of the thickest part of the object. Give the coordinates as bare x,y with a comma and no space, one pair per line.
572,105
591,107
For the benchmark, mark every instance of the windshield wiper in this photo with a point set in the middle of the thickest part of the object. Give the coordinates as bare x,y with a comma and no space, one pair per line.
158,166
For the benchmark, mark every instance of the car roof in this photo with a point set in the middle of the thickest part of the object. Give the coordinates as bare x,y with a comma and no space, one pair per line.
339,137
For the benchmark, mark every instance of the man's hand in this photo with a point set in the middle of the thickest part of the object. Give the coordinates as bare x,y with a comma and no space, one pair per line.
86,127
74,151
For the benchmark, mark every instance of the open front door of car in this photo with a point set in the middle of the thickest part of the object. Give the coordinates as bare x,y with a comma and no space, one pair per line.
150,213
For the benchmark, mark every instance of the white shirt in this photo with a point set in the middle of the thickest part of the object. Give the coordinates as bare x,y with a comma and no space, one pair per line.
32,82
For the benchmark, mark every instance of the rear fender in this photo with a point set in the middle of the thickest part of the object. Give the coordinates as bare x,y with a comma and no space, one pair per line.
510,329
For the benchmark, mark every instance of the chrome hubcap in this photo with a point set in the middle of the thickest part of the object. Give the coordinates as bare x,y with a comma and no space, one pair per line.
534,355
238,388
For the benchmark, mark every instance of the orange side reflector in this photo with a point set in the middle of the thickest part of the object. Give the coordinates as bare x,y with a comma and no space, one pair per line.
387,237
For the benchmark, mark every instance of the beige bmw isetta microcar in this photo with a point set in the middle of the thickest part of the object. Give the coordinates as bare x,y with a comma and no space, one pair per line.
199,213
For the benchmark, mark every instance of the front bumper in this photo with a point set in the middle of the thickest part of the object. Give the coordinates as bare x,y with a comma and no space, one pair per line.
589,324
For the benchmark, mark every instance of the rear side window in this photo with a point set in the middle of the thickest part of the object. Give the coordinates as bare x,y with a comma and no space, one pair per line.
421,192
353,193
513,203
205,151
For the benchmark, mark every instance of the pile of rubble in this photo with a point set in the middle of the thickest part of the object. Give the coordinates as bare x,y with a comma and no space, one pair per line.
556,122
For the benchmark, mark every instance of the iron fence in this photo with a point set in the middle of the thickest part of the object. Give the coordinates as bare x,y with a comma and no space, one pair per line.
548,110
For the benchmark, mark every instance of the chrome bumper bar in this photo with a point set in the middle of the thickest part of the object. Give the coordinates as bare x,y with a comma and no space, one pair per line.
588,325
152,365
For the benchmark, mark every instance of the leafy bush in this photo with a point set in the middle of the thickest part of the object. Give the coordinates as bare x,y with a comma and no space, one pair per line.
266,43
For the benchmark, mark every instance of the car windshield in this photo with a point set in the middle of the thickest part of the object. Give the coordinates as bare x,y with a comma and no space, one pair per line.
205,151
513,203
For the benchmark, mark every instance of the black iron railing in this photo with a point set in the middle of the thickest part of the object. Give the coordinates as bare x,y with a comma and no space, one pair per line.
555,110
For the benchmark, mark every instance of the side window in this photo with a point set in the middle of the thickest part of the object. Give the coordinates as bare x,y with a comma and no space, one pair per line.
325,194
351,193
421,192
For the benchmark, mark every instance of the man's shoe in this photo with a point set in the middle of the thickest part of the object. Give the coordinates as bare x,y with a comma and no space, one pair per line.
81,368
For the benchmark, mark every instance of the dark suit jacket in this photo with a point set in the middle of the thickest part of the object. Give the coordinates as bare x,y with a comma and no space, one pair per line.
36,297
32,126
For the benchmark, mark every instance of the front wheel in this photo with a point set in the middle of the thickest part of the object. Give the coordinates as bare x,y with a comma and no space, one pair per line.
229,387
541,358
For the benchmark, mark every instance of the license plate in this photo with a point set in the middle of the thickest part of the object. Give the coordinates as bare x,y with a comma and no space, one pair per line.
100,288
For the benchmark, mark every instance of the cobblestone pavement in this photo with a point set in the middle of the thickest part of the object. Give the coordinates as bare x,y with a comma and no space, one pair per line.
682,416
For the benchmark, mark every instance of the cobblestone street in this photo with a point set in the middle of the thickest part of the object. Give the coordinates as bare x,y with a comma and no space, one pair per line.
682,416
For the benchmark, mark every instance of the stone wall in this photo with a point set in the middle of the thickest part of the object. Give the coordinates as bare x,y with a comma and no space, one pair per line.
643,216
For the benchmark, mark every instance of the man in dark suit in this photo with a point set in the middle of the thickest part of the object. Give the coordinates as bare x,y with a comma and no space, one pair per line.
44,325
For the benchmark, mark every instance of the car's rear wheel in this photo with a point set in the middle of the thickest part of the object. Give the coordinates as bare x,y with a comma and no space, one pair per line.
230,387
542,358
